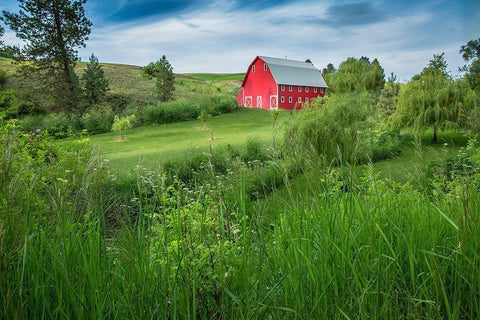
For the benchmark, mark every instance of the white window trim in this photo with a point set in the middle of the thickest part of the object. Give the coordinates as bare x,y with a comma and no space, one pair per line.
299,89
306,99
290,88
282,87
306,89
253,69
300,99
282,99
322,90
259,102
290,100
265,68
315,90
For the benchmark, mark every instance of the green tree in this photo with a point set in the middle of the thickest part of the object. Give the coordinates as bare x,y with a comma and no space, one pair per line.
471,53
358,75
52,29
162,71
123,124
329,69
434,100
95,84
204,116
2,32
388,99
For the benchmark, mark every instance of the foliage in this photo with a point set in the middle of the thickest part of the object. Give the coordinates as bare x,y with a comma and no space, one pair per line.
98,119
329,69
204,116
12,105
123,124
180,110
2,32
162,71
95,83
471,53
336,130
434,100
357,75
3,78
388,98
52,31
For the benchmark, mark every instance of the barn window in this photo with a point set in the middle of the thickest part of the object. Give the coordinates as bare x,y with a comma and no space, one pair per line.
300,99
306,89
290,99
253,68
264,67
283,87
315,90
282,99
299,89
322,90
306,99
290,88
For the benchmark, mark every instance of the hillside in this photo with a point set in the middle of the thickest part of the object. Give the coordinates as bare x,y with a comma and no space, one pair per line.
128,80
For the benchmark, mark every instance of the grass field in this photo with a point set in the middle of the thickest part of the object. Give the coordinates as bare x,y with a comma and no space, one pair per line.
157,143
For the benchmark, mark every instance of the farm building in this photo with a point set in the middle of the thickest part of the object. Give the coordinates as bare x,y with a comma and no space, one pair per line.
270,83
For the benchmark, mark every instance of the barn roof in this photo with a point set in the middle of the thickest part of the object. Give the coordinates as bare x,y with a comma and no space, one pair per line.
292,72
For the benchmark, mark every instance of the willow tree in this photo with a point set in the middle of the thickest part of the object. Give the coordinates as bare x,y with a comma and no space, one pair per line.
52,30
434,100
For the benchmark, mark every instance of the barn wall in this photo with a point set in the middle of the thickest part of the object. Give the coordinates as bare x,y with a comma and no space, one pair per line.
259,84
295,94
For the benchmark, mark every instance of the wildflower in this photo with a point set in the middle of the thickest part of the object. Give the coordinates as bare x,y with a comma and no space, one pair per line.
38,130
31,140
33,134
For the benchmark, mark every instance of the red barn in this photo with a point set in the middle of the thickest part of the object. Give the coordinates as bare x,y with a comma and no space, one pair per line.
272,82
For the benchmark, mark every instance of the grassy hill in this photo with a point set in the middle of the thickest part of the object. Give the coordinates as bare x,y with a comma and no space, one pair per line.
128,80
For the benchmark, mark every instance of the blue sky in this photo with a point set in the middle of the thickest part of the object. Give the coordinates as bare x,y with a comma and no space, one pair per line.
225,35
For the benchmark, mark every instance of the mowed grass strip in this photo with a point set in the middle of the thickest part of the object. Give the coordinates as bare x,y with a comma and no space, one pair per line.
157,143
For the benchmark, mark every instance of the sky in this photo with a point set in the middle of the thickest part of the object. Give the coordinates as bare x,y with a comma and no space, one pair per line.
223,36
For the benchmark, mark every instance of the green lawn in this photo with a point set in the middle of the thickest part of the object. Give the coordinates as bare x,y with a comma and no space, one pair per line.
158,143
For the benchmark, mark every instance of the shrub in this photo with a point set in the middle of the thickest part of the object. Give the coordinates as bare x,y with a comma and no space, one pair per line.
336,129
98,120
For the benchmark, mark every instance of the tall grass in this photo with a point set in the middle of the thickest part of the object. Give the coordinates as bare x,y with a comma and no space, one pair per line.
368,249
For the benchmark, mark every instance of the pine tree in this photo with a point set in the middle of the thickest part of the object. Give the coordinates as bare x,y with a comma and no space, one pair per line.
2,32
52,29
95,83
163,72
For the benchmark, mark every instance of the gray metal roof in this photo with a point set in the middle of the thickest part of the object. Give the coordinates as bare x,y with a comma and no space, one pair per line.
297,73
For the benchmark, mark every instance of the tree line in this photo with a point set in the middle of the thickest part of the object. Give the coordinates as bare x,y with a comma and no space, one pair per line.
432,99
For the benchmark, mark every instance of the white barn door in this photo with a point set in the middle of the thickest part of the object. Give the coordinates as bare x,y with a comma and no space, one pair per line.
273,102
248,102
259,102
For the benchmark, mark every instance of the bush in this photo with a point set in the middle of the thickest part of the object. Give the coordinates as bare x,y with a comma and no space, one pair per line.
98,120
169,112
336,130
